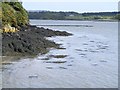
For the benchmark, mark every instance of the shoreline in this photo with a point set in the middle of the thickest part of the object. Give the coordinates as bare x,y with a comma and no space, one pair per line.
29,41
110,20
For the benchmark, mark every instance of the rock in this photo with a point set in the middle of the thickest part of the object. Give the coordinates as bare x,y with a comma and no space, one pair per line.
103,61
49,67
69,65
33,76
29,42
58,56
57,62
62,68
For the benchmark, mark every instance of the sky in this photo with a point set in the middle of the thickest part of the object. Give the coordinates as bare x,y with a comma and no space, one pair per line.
72,5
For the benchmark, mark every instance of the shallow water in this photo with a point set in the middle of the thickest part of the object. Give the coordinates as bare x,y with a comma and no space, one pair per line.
88,59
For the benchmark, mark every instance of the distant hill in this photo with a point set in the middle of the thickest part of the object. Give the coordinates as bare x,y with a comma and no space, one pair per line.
50,15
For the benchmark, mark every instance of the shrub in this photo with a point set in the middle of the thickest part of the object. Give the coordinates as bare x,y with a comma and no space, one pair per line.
14,14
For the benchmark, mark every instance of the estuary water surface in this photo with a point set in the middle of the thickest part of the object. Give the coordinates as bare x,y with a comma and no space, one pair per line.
87,59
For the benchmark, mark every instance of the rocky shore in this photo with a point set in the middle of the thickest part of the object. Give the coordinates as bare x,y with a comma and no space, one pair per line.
29,41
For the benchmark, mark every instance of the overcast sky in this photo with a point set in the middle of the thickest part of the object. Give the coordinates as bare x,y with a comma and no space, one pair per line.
72,5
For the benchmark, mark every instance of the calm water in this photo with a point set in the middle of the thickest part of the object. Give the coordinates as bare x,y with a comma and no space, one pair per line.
91,58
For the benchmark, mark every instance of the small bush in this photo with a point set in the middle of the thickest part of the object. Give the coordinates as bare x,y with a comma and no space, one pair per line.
14,14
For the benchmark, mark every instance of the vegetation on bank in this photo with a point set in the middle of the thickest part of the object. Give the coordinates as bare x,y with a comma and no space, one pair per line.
14,14
48,15
8,29
118,17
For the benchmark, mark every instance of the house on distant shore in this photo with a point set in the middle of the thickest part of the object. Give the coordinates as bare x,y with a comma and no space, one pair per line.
71,15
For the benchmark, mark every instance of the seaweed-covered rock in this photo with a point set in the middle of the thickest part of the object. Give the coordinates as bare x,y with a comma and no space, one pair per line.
29,42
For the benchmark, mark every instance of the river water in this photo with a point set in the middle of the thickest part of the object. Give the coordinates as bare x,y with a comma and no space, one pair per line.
87,59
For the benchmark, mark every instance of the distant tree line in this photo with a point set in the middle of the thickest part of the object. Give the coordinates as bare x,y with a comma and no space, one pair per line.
46,15
101,14
50,15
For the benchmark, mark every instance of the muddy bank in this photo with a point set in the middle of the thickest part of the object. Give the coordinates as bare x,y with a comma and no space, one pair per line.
29,41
